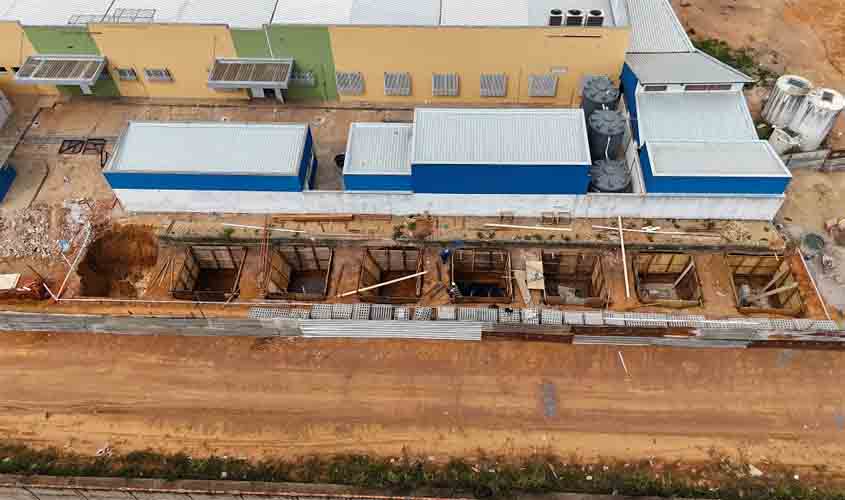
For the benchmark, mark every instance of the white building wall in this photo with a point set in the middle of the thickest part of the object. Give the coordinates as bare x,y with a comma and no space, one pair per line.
593,205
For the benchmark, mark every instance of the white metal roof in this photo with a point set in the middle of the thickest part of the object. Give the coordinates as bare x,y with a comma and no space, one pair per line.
655,27
359,12
210,147
500,136
694,116
51,12
378,149
715,159
251,14
683,67
515,12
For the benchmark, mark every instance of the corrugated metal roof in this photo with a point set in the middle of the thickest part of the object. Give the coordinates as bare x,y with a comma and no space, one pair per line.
51,12
656,28
254,14
379,149
683,67
214,147
715,159
500,136
515,12
694,116
359,12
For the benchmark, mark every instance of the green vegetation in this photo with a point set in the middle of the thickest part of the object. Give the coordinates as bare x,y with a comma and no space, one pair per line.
743,59
483,476
227,232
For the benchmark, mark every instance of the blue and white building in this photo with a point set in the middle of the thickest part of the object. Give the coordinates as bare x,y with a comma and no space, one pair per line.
378,157
500,151
213,157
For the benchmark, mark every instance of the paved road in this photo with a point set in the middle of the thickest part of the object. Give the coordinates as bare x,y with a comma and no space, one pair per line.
251,397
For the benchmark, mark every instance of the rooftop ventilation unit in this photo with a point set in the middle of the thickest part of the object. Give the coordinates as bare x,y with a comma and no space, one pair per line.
555,17
574,17
595,17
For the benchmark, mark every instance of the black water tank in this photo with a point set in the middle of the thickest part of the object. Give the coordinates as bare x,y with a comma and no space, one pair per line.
610,176
598,93
605,131
555,17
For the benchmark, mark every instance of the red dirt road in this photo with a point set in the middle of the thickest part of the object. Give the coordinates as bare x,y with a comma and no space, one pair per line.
245,397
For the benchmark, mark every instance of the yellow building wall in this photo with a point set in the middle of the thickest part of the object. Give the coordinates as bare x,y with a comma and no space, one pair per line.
14,49
187,50
571,53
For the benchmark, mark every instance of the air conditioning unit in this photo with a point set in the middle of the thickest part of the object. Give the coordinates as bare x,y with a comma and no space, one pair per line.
574,17
595,17
555,17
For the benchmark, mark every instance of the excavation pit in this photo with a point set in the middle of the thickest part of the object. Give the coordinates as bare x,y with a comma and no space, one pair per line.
482,276
379,280
209,273
765,284
574,278
115,263
299,273
667,279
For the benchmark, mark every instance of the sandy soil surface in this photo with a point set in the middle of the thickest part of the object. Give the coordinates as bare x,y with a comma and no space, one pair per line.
248,397
792,36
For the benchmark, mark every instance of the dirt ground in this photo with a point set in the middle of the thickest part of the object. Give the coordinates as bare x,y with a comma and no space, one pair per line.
116,260
248,397
804,37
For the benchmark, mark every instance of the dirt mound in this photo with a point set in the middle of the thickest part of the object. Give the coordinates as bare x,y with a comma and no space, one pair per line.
117,260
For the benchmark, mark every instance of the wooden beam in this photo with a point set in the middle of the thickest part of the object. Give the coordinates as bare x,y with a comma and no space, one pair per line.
624,258
674,233
683,274
759,296
379,285
538,228
277,229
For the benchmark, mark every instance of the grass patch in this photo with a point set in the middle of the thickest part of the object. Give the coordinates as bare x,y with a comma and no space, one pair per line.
484,476
743,59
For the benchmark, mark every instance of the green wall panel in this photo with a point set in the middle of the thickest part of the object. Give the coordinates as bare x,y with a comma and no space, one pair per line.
250,43
310,47
73,41
61,40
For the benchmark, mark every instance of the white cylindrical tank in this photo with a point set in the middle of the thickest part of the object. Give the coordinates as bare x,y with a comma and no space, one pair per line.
816,116
786,97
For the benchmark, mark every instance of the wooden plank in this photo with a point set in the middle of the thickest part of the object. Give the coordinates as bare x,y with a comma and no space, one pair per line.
522,284
624,259
538,228
379,285
314,218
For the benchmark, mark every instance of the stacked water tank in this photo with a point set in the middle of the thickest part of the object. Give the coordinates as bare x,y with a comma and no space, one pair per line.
605,131
816,116
610,176
598,93
787,95
800,114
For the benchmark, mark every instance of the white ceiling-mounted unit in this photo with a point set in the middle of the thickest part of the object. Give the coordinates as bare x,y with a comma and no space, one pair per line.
595,17
574,17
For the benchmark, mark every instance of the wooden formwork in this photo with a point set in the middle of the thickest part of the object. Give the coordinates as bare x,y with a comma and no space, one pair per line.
581,273
298,272
756,274
477,270
209,272
384,264
666,279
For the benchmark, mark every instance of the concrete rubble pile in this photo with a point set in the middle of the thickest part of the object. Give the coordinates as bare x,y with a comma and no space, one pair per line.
26,233
30,233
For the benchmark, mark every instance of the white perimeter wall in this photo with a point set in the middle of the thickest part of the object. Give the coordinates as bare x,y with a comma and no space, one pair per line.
748,207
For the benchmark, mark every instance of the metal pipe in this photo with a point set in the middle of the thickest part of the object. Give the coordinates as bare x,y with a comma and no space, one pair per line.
624,259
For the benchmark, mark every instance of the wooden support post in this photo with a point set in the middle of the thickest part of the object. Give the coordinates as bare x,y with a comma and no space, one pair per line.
624,259
774,279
